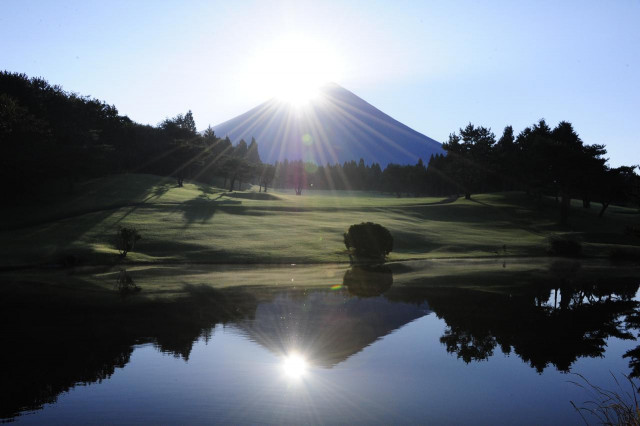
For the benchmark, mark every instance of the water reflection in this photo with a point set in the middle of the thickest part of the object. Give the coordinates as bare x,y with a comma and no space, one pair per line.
55,347
633,323
368,281
294,365
519,322
552,321
326,326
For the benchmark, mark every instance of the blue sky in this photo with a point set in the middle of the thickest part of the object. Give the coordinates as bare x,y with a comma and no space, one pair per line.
434,66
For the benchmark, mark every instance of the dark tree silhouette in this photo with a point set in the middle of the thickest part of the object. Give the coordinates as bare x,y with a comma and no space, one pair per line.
470,158
615,185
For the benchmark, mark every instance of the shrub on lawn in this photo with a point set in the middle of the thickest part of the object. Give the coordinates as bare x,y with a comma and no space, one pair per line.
369,240
126,239
125,284
563,246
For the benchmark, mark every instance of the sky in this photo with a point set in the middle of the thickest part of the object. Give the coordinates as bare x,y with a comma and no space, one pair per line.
433,65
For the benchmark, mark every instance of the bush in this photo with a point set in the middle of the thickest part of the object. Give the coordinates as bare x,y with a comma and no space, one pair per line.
126,239
369,240
562,246
125,284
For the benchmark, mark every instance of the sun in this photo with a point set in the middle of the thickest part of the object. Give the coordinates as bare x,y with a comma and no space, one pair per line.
298,91
294,366
293,67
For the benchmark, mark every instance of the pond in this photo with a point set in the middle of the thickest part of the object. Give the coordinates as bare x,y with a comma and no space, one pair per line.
441,342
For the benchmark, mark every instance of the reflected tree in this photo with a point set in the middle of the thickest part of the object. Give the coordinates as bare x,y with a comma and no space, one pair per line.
85,343
527,324
557,318
368,281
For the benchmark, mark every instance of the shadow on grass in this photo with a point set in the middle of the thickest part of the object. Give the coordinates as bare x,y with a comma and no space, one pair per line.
97,196
202,209
205,189
181,251
252,195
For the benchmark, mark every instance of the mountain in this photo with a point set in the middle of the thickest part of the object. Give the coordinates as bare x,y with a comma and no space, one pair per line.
326,327
334,127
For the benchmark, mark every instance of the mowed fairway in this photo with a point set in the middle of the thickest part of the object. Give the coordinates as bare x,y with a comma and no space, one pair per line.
205,224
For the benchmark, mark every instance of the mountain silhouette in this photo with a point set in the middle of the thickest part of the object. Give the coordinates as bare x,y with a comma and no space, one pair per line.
326,327
333,127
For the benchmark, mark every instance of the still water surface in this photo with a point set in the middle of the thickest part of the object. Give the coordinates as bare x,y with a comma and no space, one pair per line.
377,348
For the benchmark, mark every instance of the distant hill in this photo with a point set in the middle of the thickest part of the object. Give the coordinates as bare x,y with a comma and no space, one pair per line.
335,126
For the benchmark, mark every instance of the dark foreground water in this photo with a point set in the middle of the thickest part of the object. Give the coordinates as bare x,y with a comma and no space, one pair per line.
383,346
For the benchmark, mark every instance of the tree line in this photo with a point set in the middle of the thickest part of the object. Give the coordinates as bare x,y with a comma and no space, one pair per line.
51,135
48,134
539,160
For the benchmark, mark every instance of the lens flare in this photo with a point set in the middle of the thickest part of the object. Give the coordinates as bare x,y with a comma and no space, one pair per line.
309,165
294,366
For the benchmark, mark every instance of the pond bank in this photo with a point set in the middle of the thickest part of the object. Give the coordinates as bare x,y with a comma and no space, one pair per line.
441,328
168,281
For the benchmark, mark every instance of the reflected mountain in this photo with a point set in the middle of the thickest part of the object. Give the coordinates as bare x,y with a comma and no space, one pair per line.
51,346
329,326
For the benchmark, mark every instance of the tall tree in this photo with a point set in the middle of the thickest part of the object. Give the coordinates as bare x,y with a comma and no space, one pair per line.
532,158
267,174
240,151
571,163
616,185
253,156
469,156
505,159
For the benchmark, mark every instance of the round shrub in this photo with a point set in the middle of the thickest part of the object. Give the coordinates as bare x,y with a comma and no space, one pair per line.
369,240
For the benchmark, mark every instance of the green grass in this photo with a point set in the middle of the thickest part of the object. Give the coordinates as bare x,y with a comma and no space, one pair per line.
96,286
203,224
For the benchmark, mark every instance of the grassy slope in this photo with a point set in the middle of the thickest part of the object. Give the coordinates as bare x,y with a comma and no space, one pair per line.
199,223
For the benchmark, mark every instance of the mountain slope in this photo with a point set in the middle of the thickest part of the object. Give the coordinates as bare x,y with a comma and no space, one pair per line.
328,327
335,126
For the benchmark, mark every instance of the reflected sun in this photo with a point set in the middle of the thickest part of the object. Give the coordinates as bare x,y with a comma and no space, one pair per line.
294,67
294,366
